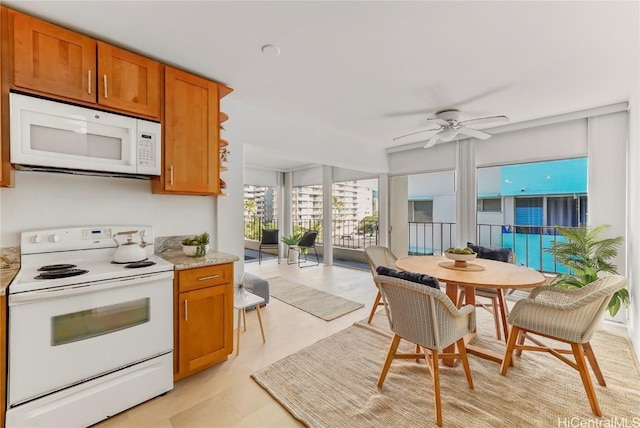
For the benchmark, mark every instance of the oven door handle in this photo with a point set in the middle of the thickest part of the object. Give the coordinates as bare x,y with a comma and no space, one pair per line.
32,296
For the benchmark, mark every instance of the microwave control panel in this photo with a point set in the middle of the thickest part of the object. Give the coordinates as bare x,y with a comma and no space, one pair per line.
148,148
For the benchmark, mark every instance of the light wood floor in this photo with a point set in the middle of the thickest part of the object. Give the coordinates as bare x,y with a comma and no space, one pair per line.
225,395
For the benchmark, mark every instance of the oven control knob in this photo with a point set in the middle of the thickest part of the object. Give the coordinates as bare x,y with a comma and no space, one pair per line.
54,238
36,239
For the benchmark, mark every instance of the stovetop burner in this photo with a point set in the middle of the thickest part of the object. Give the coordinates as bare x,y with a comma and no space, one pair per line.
140,264
55,267
113,262
60,273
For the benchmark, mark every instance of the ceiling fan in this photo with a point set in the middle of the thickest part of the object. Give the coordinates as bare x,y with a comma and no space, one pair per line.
446,127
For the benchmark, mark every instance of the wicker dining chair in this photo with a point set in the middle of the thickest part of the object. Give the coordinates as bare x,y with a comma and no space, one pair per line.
426,317
567,315
378,255
498,306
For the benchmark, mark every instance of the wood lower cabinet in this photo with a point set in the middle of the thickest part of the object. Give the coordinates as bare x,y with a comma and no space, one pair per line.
3,358
190,132
57,62
203,329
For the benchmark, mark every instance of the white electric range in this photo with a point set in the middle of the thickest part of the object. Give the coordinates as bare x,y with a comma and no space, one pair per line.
87,337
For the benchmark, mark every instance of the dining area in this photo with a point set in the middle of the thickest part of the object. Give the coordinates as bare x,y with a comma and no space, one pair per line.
430,301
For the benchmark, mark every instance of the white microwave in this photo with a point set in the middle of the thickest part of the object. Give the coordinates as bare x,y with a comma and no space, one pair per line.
50,135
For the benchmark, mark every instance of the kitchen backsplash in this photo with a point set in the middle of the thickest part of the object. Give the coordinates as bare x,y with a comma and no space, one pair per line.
9,256
163,243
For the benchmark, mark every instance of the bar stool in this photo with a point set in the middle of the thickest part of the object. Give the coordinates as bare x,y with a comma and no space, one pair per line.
241,301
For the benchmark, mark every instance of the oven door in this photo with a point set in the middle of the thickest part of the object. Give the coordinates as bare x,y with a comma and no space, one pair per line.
59,339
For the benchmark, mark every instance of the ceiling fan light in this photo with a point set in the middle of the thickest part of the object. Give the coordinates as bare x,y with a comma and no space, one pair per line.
448,135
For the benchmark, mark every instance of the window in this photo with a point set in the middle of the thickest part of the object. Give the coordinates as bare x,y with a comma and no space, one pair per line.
490,205
421,211
528,212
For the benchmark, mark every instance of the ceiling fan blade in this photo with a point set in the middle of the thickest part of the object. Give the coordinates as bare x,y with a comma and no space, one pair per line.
481,135
432,142
431,132
484,120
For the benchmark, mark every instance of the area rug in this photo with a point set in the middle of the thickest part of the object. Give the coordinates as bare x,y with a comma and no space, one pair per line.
332,383
316,302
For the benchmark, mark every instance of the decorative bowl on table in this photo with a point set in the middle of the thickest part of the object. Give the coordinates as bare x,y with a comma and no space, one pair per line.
460,259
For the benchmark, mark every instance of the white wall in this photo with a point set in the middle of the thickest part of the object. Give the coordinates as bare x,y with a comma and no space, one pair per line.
259,177
48,200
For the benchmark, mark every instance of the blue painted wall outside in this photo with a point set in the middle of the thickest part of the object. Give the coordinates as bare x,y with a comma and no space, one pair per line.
567,176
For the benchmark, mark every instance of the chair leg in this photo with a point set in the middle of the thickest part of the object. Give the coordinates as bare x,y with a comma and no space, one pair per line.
496,317
578,353
436,386
387,363
465,362
376,303
508,353
588,352
520,341
259,255
504,311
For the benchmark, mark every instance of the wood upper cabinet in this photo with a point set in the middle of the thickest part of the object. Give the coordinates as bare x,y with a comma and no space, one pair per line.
190,135
54,61
6,171
128,81
204,318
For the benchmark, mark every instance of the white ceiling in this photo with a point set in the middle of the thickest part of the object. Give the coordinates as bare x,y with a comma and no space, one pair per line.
351,76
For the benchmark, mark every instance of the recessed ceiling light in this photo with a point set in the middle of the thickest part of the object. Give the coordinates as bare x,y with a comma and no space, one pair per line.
270,50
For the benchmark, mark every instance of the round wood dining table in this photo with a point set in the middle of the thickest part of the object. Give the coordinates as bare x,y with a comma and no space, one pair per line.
481,273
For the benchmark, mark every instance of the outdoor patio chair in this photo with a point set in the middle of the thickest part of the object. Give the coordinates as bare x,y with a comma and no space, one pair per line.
426,317
269,240
377,255
498,306
304,245
567,315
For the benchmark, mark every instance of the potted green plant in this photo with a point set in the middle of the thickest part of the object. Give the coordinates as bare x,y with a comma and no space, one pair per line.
196,246
292,240
587,255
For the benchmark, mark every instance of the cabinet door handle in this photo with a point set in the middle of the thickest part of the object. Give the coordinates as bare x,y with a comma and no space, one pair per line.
204,278
105,86
171,175
89,80
186,310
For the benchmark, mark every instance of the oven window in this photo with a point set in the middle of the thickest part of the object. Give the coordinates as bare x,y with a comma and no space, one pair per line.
94,322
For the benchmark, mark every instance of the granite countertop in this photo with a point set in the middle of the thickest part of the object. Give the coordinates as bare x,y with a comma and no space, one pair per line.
170,249
9,266
182,261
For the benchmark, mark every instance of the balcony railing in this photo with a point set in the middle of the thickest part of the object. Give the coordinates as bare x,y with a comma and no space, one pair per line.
527,242
345,233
